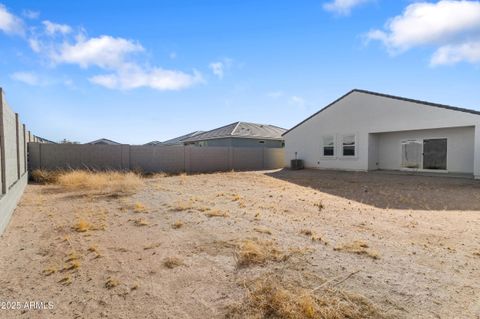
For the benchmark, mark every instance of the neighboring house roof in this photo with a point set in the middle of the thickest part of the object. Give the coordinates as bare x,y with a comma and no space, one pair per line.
180,139
44,140
241,130
153,143
103,141
443,106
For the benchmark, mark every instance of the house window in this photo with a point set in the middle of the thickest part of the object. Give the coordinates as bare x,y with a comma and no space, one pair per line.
349,145
328,146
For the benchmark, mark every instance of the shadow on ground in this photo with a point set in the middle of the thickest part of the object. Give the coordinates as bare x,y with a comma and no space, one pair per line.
389,190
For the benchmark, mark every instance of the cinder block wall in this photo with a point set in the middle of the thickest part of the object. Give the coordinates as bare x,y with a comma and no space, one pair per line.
149,158
13,160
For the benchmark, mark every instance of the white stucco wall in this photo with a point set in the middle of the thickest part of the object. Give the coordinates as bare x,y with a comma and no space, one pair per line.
363,113
460,147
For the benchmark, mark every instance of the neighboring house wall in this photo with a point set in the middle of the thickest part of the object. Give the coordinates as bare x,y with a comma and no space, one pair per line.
241,142
362,114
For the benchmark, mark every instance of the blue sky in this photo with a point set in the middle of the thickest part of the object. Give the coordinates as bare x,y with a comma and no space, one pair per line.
136,71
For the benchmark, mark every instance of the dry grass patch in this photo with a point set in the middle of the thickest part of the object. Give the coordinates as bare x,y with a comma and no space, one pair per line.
140,208
181,206
263,230
313,236
216,213
82,226
72,261
66,281
272,298
172,262
49,271
140,222
151,246
72,256
102,182
94,249
178,224
319,205
251,252
306,232
358,247
73,265
111,283
44,177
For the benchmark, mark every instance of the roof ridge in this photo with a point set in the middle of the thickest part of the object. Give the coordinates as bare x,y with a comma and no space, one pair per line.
235,128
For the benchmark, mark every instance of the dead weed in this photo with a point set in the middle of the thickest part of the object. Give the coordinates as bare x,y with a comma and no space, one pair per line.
216,213
172,262
102,182
250,252
358,247
271,298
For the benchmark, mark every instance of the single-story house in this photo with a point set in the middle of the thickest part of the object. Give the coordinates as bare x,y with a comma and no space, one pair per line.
103,141
240,134
365,131
179,140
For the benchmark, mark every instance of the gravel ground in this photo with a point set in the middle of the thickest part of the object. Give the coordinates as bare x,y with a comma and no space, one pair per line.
408,244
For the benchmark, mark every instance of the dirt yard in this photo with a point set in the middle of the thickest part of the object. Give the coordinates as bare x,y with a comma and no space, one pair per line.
283,244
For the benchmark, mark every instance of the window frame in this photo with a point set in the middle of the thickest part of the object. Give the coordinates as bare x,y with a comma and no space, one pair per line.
323,145
355,146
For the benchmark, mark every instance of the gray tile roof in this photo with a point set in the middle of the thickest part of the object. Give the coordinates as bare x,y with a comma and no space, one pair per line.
104,141
179,139
44,140
153,143
241,129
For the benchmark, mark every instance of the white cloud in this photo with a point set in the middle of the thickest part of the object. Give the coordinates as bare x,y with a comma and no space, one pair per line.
451,54
452,26
132,77
105,52
219,67
54,28
343,7
113,55
297,101
10,23
30,14
26,77
275,94
35,45
35,79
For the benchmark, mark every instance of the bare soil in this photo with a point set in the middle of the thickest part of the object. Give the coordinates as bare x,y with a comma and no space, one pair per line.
193,246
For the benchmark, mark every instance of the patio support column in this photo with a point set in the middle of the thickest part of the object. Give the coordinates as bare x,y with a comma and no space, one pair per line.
476,160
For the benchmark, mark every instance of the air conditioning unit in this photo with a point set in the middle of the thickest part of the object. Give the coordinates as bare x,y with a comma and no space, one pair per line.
296,164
